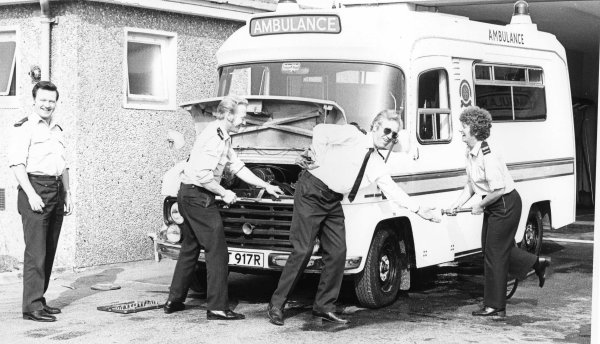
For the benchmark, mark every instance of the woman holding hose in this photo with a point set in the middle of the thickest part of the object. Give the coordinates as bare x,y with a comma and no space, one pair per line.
488,177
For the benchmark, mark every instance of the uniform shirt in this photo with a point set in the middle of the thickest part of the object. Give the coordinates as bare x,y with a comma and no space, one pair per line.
211,152
38,146
486,171
339,154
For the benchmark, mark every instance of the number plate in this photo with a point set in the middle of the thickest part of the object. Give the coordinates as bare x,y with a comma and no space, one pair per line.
245,258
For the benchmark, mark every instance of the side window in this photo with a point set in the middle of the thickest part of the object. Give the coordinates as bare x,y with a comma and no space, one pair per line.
510,93
150,63
434,120
8,68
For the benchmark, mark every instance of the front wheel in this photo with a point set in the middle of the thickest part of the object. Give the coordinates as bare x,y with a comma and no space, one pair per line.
377,285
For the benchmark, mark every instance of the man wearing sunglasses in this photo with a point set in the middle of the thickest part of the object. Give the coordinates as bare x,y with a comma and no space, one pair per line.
344,160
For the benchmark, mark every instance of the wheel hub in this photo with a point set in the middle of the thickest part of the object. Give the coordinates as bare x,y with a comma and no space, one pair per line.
384,268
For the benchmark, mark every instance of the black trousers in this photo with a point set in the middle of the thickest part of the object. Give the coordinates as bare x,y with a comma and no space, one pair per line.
316,209
41,232
203,227
501,255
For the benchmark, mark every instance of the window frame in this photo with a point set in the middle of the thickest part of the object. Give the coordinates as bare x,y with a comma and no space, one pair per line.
512,84
434,111
168,49
10,34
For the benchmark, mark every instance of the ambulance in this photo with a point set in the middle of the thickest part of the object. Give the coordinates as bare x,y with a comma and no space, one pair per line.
300,67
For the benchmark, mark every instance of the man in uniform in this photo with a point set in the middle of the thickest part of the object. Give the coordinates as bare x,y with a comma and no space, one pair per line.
200,183
37,159
317,205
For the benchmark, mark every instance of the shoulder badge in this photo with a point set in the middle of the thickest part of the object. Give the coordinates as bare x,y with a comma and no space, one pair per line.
21,121
220,133
485,148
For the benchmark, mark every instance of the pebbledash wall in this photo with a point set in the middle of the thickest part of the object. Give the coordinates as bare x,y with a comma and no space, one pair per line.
117,155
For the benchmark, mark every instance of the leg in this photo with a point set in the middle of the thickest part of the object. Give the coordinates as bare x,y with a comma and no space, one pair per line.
306,222
188,256
57,211
35,227
333,242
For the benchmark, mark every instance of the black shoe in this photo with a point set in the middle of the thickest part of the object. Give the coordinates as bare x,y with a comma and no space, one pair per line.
173,306
224,315
39,315
490,311
51,310
540,270
275,315
330,316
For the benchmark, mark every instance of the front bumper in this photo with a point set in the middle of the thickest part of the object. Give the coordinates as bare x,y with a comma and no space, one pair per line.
273,260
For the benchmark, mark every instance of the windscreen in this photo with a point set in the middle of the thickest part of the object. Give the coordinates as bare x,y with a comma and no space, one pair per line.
361,89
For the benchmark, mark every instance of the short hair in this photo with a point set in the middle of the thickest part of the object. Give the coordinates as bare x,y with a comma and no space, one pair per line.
44,85
228,105
392,115
479,121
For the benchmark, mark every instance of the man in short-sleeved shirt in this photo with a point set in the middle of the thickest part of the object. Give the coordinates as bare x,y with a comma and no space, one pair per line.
200,183
344,160
37,157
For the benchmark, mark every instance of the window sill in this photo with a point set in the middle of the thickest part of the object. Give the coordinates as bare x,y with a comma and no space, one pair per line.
9,102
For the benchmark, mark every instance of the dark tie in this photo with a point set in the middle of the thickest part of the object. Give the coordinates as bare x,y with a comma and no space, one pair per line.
359,178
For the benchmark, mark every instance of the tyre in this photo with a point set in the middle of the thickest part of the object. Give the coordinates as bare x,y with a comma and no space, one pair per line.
377,285
199,279
532,238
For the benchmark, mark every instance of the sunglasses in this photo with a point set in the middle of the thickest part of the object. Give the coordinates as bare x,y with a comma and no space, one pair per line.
387,131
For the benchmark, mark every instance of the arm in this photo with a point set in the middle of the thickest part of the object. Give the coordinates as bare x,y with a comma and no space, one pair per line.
466,195
489,199
67,195
246,175
35,201
394,193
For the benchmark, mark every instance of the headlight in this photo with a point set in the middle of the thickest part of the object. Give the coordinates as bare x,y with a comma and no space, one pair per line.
173,234
175,214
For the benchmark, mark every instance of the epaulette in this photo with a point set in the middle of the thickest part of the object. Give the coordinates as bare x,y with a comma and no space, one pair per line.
21,121
220,133
485,148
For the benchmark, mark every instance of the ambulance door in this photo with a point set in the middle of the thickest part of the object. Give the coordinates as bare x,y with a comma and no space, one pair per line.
429,125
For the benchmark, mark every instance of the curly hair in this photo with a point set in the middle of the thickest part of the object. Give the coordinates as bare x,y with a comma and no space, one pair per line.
479,121
391,115
228,105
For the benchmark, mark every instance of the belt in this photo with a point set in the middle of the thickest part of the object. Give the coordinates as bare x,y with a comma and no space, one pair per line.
44,177
319,183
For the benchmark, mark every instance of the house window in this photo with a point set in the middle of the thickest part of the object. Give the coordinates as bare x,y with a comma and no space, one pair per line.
150,75
8,68
434,120
511,93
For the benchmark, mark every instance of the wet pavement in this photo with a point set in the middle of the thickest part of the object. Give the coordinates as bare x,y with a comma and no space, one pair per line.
436,310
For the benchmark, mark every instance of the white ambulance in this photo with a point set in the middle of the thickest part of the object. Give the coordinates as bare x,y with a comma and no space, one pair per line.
341,65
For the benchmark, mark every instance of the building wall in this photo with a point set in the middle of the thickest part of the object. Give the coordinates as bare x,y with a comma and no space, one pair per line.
118,155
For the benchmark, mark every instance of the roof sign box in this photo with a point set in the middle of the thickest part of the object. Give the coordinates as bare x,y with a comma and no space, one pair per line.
295,24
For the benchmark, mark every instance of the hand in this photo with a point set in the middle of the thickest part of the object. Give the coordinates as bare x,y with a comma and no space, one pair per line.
36,203
274,190
229,197
477,209
451,211
306,160
429,213
68,204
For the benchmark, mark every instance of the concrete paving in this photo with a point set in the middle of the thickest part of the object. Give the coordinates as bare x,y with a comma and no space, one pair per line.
435,311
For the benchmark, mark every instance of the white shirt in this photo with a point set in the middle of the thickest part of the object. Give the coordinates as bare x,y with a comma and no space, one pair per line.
486,170
211,152
38,146
339,154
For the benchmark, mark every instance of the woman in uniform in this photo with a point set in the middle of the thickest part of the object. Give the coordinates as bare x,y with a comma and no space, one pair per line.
500,202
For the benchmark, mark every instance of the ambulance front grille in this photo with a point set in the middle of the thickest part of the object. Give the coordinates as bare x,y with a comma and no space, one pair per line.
271,225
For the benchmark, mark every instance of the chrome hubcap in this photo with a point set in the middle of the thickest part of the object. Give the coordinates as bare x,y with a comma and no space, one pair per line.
384,268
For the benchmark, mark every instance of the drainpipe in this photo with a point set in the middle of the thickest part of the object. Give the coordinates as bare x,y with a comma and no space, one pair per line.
46,22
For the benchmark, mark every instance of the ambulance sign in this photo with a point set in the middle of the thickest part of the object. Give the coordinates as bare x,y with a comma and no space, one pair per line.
295,24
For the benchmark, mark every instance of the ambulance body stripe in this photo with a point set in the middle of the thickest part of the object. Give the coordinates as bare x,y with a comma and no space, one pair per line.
452,180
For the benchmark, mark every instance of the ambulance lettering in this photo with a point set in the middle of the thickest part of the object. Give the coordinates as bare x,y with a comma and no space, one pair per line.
295,24
506,37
